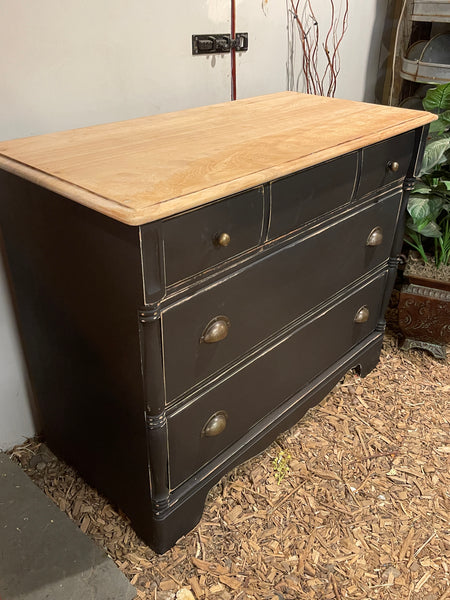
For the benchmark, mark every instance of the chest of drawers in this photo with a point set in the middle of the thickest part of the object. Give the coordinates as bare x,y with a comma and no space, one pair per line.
188,285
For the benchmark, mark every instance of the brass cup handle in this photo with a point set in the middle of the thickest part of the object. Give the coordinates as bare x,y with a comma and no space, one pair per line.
215,424
216,330
223,239
375,237
362,315
393,166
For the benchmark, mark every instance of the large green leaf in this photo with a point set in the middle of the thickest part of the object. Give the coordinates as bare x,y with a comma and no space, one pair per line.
446,183
445,117
437,203
409,226
435,153
421,188
424,208
418,207
430,230
425,229
438,98
438,127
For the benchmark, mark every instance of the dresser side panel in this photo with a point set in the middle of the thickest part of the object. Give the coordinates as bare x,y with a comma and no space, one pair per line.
77,285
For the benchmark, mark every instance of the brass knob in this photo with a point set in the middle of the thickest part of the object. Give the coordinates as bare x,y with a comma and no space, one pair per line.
223,239
375,237
215,424
216,330
393,166
362,316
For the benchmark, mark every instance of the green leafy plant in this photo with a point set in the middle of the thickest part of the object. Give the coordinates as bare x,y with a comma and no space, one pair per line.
281,465
428,224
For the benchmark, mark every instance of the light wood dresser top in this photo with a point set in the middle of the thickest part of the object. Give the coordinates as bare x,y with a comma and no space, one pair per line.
145,169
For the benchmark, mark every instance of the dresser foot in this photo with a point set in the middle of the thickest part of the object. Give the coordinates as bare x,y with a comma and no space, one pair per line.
369,361
161,533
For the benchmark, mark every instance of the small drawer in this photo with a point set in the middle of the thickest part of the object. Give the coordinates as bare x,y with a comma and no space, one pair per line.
209,330
308,194
385,162
209,235
199,431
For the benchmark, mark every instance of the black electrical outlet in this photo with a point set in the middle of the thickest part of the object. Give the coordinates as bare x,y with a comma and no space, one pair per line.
218,43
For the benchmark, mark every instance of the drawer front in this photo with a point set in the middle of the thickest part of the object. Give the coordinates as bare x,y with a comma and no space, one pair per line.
266,296
201,430
385,162
306,195
202,238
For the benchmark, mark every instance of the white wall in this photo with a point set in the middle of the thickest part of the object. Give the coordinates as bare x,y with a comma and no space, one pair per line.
73,63
16,422
361,50
262,69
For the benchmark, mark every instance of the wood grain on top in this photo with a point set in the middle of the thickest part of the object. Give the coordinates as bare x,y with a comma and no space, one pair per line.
144,169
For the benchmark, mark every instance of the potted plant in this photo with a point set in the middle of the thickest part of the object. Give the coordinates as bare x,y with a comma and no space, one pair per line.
424,305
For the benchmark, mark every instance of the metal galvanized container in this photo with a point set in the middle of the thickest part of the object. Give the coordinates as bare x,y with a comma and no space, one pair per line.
437,11
428,61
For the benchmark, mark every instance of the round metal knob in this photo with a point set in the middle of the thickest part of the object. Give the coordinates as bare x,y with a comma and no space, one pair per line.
375,237
223,239
393,166
216,330
362,315
215,424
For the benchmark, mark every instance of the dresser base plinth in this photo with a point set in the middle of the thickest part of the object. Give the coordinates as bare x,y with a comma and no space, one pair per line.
186,503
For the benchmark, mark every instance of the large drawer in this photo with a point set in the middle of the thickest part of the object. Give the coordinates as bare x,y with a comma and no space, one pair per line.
193,242
308,194
261,299
385,162
243,399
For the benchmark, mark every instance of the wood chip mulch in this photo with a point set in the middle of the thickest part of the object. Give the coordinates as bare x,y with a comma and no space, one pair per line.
352,502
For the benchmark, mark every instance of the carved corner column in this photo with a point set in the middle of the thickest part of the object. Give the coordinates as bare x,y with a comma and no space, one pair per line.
155,415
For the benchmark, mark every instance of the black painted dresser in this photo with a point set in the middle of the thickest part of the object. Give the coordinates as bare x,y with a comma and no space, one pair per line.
187,285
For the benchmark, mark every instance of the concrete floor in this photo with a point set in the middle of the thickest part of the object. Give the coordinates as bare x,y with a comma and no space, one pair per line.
43,554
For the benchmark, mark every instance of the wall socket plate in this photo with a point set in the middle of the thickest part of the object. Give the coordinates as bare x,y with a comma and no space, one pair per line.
219,43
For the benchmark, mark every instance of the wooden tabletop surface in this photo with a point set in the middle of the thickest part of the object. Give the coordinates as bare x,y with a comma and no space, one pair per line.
145,169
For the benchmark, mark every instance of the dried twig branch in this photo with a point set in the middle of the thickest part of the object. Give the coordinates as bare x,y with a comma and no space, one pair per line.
309,35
